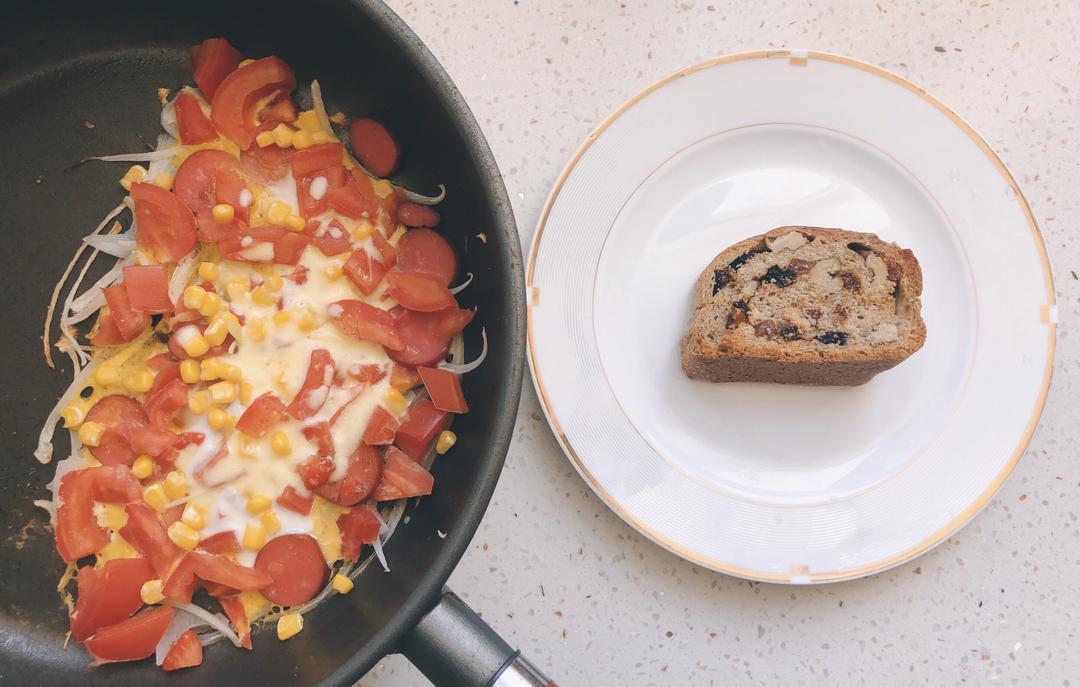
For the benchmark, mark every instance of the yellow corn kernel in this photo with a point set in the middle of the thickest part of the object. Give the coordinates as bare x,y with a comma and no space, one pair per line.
256,328
183,535
264,139
308,321
446,441
139,382
216,332
107,375
273,282
262,296
164,180
209,370
395,401
282,317
192,341
176,486
229,372
134,175
208,271
383,188
199,402
143,467
217,419
342,584
192,517
90,433
277,212
254,537
244,63
73,416
223,213
223,392
245,393
211,304
321,137
237,288
112,516
270,522
257,503
189,371
155,497
362,230
151,592
232,323
295,222
279,441
332,271
283,135
289,625
302,139
194,296
308,121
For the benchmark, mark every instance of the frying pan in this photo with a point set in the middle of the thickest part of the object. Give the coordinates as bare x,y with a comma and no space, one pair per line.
80,79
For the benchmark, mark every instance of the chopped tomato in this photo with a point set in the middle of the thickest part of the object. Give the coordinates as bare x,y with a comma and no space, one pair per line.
234,608
210,567
416,215
115,484
319,434
77,531
165,368
292,499
380,428
366,323
315,470
211,61
419,291
422,424
404,377
213,231
367,374
424,250
358,526
147,534
162,404
263,413
222,542
361,476
310,206
364,271
356,198
192,122
296,564
147,288
280,109
109,595
315,159
402,478
265,164
154,441
316,387
331,238
208,177
385,248
186,652
286,245
444,387
166,225
122,417
374,146
234,108
426,337
128,321
132,639
105,332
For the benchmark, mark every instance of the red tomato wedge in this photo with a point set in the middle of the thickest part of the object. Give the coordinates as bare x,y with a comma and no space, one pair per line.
211,61
357,197
186,652
374,146
108,595
296,564
444,387
316,159
208,177
128,322
105,332
427,252
366,323
417,432
364,271
359,526
419,291
263,413
161,404
122,417
426,337
222,542
416,215
285,246
402,478
147,534
293,500
166,227
361,477
193,124
77,531
319,434
234,108
166,369
310,206
132,639
265,164
316,387
381,428
315,470
234,608
210,567
115,484
386,250
331,238
213,231
147,288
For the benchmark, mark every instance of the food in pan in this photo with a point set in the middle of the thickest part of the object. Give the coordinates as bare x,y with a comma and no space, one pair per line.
804,305
272,364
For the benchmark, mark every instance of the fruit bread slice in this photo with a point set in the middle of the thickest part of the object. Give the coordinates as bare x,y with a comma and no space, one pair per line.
804,305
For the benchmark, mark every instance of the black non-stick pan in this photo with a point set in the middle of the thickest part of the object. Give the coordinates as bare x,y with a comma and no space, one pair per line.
80,79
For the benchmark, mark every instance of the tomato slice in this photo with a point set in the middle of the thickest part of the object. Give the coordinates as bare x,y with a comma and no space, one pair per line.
193,124
444,387
163,403
404,377
208,177
166,369
222,542
105,332
366,323
234,108
319,434
285,247
211,61
109,595
426,251
331,238
359,526
263,413
213,231
385,248
381,428
77,531
129,323
422,424
265,164
316,158
121,416
292,499
416,215
211,567
402,478
234,608
356,198
166,226
316,387
147,534
419,291
115,484
186,652
374,146
364,271
426,337
132,639
296,564
147,288
361,477
315,470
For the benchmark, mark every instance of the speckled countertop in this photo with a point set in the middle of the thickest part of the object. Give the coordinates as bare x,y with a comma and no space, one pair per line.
583,594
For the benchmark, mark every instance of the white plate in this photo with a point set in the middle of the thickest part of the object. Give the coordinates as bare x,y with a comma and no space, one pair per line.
773,482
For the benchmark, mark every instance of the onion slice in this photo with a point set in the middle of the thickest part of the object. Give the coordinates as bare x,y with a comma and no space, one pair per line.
116,245
426,200
181,623
461,287
214,620
44,449
468,367
148,156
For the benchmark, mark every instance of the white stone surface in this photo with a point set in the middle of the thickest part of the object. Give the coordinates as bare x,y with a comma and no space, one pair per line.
588,598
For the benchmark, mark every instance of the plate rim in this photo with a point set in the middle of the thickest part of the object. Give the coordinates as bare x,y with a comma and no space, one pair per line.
1048,316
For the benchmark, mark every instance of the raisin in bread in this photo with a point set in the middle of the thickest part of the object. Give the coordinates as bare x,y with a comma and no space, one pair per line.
804,305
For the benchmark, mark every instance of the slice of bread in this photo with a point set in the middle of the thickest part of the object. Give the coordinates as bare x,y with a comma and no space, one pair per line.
804,305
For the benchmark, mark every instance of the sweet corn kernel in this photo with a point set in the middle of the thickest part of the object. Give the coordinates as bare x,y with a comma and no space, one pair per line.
73,416
283,135
208,271
382,187
395,401
164,180
223,392
112,516
194,296
342,584
289,625
270,522
192,517
223,213
257,503
189,371
155,497
302,139
362,230
244,63
151,592
308,121
256,328
230,373
277,212
183,535
237,288
216,332
254,537
321,137
264,139
209,370
217,419
107,375
282,317
232,323
332,271
279,441
295,222
262,296
176,486
274,282
211,304
446,441
245,393
199,402
139,382
192,341
134,175
143,467
90,433
308,321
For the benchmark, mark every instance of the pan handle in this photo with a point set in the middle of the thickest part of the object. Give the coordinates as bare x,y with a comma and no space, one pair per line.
453,647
